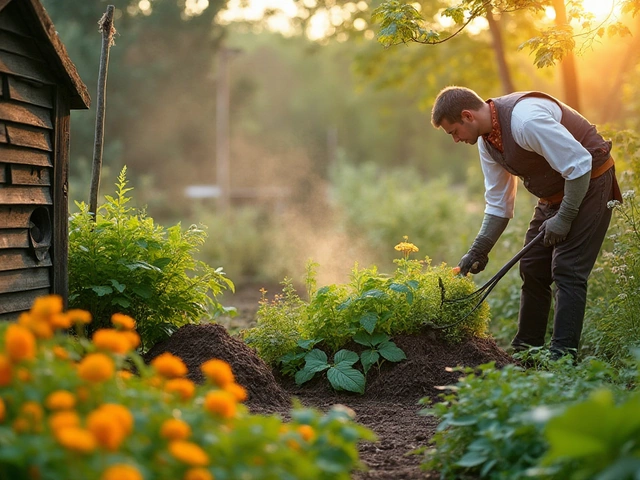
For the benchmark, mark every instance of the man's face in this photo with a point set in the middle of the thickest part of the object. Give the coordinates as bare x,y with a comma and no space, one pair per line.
465,131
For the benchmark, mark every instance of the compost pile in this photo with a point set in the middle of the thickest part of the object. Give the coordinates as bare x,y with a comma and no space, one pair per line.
389,406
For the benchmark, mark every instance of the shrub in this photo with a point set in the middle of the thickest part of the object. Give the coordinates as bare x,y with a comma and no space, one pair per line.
124,262
71,409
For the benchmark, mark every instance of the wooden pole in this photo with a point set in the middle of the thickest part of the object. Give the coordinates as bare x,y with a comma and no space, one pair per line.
108,32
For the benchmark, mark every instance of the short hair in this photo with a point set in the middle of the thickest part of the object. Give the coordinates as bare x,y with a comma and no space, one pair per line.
450,103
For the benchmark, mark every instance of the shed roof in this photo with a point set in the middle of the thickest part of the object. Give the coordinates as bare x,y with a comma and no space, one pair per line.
37,18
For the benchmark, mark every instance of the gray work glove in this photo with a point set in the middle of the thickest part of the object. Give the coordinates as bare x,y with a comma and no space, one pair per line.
557,227
476,259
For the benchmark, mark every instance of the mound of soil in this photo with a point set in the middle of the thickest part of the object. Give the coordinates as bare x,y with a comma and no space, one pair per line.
195,344
389,406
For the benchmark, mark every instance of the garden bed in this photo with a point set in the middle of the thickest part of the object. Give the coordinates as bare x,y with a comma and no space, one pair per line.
389,406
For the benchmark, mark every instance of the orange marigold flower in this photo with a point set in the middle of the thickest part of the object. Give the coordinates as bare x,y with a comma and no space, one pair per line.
79,316
189,453
76,439
107,432
175,429
83,393
96,367
3,410
218,372
20,343
121,471
60,320
40,327
24,375
238,391
307,432
132,337
111,341
121,414
221,403
182,386
5,371
60,352
197,474
63,419
33,412
21,425
125,374
169,366
46,306
123,321
60,400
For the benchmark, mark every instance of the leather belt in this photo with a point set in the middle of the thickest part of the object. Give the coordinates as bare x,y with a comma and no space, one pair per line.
595,173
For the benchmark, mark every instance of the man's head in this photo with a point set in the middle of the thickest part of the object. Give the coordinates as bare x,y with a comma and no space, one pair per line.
461,113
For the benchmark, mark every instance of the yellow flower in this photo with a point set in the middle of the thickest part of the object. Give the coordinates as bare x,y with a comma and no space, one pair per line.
111,341
175,429
197,474
76,439
20,344
123,321
3,410
63,419
238,391
221,403
96,367
60,400
121,471
107,432
39,326
169,366
182,386
218,372
60,320
189,453
406,247
79,316
307,432
5,371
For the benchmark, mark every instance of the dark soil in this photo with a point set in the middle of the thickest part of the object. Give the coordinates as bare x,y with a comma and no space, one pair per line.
389,406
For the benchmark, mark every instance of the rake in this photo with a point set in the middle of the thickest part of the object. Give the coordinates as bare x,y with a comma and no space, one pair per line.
483,292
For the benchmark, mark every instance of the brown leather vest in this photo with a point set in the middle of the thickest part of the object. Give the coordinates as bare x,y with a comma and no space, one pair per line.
536,173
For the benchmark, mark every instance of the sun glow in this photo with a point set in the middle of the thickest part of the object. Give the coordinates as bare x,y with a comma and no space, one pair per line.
599,8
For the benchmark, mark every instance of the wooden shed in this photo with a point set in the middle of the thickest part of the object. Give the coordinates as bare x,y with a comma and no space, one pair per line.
39,86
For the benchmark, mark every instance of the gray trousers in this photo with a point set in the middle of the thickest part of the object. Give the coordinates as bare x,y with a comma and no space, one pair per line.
568,264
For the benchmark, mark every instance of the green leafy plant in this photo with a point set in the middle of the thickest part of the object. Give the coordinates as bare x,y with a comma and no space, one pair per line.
121,261
379,347
340,372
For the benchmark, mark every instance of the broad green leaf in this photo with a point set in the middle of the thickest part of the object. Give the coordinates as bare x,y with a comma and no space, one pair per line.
142,265
622,468
463,421
472,459
398,287
122,301
142,291
363,338
117,285
374,293
303,376
101,291
344,377
307,344
368,358
391,352
346,356
316,361
369,321
162,262
333,460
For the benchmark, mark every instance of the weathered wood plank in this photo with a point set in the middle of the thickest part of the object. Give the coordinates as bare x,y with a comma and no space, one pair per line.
60,218
3,133
15,216
24,136
27,114
13,303
29,92
24,156
14,238
25,68
10,195
4,177
21,280
13,43
11,22
20,259
28,175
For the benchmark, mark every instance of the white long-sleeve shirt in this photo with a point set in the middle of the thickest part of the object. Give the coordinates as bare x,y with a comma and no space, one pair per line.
536,127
